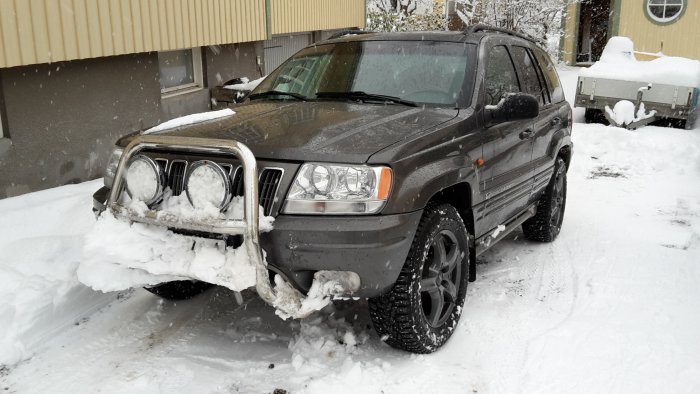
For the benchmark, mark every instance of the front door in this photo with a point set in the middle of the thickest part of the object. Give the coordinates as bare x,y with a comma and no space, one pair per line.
507,177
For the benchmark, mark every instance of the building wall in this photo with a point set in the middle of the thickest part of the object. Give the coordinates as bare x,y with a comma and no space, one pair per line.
629,19
680,38
64,118
42,31
292,16
221,63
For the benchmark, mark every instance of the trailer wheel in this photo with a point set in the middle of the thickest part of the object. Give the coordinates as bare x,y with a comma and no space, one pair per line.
594,115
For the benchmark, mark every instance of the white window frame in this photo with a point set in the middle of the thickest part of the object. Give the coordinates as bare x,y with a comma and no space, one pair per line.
665,5
197,70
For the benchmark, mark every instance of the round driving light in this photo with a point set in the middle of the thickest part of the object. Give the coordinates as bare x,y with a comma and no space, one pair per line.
208,185
144,179
322,179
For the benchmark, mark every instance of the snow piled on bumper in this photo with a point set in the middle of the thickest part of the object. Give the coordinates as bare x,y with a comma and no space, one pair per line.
119,255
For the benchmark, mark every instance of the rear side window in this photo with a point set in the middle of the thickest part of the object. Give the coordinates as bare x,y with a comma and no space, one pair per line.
530,78
500,75
550,74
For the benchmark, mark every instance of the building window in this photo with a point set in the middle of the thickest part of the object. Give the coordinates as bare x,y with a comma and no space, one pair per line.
665,11
180,70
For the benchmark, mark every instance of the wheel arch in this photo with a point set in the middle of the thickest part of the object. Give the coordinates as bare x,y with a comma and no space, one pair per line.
459,195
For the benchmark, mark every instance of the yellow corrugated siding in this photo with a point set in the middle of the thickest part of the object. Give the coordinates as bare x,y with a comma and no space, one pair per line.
42,31
570,25
681,38
291,16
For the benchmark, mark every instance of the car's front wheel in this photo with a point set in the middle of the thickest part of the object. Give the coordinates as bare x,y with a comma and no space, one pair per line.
179,290
420,312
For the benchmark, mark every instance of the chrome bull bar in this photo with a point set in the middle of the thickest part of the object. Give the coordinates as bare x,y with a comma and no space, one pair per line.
248,227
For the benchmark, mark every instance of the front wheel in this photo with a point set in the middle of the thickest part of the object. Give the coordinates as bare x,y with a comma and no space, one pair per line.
422,309
179,290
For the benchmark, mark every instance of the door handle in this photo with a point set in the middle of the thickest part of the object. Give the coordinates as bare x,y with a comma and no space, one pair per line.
526,134
555,121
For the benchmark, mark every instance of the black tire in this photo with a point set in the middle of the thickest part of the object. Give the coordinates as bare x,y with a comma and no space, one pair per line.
595,116
546,224
179,290
420,312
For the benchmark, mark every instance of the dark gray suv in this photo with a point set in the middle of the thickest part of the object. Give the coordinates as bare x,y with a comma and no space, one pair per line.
394,157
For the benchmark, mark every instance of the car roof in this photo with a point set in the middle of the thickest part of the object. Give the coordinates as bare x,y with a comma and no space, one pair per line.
446,36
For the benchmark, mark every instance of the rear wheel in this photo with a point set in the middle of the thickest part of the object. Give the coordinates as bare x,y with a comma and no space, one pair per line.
179,290
546,224
423,307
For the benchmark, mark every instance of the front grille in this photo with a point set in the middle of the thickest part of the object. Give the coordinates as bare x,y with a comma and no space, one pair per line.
176,177
269,181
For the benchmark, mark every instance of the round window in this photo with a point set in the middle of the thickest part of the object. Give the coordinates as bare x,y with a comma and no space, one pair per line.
665,11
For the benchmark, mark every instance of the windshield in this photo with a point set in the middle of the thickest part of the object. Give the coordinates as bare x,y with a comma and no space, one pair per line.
423,72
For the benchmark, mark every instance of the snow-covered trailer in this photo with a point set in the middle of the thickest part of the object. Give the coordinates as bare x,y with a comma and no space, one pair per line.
660,100
631,93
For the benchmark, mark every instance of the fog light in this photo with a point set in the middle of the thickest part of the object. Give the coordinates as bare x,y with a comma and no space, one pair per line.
144,180
208,185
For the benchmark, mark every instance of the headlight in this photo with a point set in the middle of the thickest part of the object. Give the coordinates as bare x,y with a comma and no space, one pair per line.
338,189
112,165
144,179
207,185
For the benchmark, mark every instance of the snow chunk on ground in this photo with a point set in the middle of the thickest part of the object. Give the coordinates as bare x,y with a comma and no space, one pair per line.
291,303
191,119
618,62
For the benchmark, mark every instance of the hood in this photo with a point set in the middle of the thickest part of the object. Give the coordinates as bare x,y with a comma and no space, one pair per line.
325,131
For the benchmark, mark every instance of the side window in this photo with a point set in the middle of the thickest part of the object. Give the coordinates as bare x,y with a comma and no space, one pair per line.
550,74
529,76
500,75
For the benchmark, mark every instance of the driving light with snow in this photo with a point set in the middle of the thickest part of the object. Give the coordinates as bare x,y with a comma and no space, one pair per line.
338,189
144,180
208,185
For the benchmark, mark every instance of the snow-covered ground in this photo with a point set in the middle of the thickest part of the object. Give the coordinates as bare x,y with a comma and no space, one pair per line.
610,306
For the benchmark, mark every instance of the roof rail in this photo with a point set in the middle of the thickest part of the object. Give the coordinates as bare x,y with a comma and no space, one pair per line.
486,28
348,32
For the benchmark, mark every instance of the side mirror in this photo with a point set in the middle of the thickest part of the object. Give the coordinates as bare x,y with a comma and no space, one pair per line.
513,106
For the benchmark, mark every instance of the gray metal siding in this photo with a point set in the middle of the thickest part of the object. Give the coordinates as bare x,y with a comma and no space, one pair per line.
279,49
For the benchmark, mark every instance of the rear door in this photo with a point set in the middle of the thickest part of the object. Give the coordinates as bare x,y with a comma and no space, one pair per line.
553,117
506,180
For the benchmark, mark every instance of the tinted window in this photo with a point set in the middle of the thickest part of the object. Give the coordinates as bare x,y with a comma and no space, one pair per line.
530,77
500,75
550,74
426,72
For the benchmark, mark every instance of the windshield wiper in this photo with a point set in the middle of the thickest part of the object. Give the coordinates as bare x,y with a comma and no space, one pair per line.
358,95
278,93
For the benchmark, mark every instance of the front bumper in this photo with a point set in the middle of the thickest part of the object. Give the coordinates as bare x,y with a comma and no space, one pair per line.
374,247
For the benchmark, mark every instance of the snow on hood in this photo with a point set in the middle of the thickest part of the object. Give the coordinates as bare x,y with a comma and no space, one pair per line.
191,119
618,62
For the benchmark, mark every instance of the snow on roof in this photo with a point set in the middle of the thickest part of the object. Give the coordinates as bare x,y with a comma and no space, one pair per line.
618,62
191,119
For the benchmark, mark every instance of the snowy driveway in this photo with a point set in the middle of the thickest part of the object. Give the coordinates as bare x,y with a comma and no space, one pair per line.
611,306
